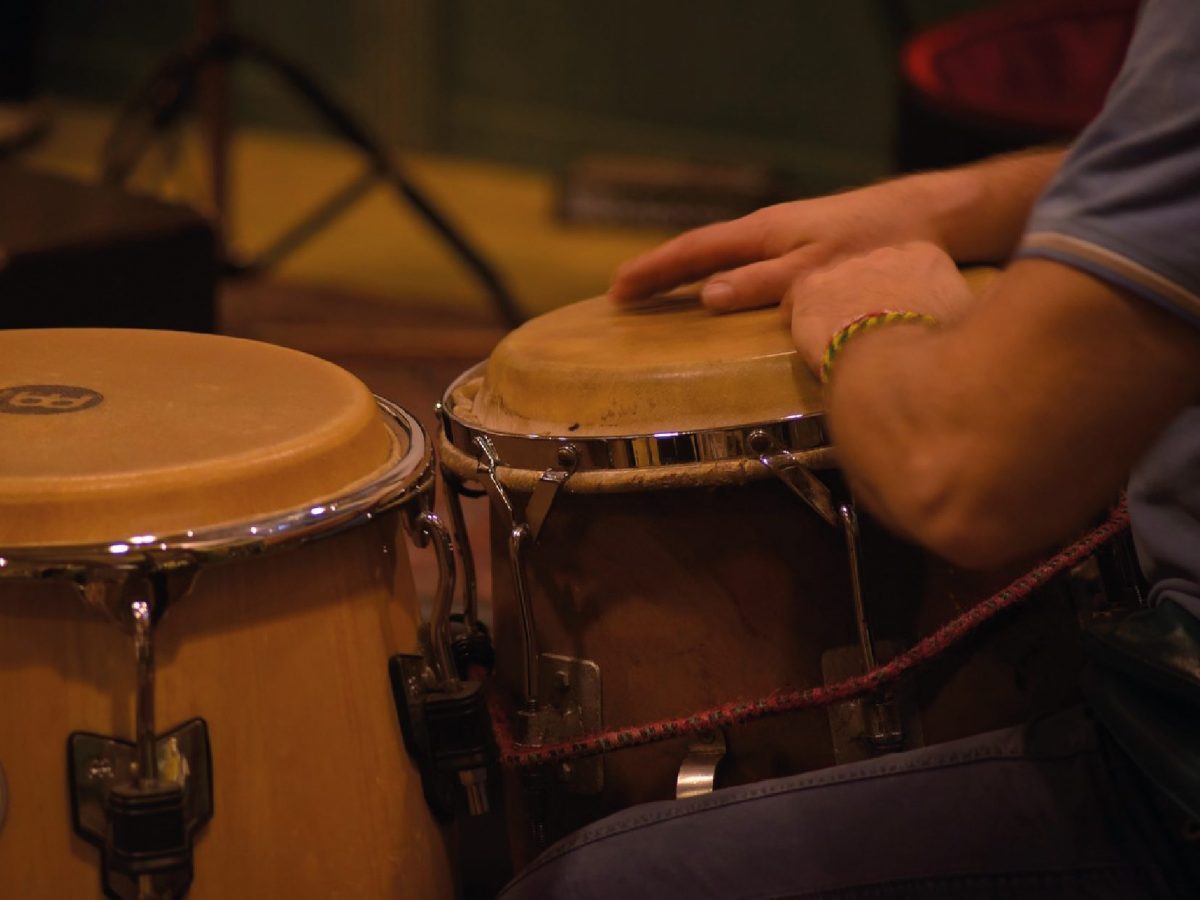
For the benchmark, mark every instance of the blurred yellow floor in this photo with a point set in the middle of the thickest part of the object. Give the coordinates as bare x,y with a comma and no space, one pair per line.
380,248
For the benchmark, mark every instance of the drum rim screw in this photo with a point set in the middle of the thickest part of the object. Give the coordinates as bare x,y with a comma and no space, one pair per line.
568,456
759,441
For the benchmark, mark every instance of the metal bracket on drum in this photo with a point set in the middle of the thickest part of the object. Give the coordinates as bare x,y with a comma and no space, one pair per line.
425,528
142,802
883,726
523,531
868,726
698,771
447,732
144,828
569,706
443,718
797,477
462,540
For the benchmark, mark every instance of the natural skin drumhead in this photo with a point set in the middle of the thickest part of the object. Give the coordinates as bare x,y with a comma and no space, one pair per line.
107,434
598,369
593,368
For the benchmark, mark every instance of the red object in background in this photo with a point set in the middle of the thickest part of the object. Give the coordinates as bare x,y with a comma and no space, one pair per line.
1040,66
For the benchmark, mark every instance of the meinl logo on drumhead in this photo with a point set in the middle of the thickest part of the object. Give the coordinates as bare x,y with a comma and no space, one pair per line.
47,399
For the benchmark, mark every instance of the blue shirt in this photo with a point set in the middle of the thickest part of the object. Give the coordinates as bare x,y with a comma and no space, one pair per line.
1125,207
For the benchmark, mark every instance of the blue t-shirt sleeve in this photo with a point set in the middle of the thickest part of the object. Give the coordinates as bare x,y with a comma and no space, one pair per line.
1125,206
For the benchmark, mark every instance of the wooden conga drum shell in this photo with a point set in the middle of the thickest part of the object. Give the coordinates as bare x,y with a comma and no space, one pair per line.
697,593
283,653
694,598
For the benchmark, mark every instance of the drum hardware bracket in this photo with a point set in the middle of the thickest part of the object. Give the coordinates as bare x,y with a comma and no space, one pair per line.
143,827
570,706
873,724
849,520
523,531
544,492
443,716
883,726
168,578
426,528
447,732
797,477
698,771
142,802
472,647
455,491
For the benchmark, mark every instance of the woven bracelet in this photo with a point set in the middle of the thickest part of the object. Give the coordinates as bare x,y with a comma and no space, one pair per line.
862,323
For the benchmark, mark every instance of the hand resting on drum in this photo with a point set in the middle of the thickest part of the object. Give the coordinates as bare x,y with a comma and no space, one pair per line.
915,277
975,214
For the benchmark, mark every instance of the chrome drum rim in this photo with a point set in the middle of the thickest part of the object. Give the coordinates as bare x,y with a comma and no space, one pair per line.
404,478
794,434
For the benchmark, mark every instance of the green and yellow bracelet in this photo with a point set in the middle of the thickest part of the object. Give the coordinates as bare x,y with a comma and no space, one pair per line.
862,323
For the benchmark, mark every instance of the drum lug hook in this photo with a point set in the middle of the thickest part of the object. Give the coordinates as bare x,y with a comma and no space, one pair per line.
425,527
524,531
802,482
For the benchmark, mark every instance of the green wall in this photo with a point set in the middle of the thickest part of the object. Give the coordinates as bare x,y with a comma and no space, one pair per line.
807,86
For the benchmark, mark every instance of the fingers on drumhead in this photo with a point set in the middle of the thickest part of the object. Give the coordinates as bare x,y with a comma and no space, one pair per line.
690,256
759,284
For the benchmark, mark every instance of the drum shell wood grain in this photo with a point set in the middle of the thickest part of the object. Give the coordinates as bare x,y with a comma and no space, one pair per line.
285,657
694,597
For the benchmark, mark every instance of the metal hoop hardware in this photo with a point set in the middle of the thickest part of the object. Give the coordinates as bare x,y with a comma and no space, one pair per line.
142,803
523,531
662,450
425,528
408,476
442,716
877,723
462,540
803,483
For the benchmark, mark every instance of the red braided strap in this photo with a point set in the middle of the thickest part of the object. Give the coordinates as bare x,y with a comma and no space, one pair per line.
515,756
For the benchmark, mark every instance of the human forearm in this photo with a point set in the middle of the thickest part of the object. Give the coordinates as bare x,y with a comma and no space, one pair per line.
978,212
996,437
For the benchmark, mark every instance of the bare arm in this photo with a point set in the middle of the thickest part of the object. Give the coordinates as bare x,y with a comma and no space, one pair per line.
1000,435
975,214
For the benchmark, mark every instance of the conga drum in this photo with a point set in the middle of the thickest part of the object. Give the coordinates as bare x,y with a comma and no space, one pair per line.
669,533
201,585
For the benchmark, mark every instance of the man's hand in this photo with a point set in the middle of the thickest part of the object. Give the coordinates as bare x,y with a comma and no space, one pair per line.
914,277
975,214
758,256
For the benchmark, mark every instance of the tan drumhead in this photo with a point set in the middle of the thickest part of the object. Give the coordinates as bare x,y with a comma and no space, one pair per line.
596,369
108,434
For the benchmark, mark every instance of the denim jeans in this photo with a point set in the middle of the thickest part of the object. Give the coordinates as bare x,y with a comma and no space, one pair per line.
1050,809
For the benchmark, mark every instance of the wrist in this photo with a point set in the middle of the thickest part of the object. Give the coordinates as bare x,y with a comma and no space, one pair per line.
884,318
976,213
946,206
